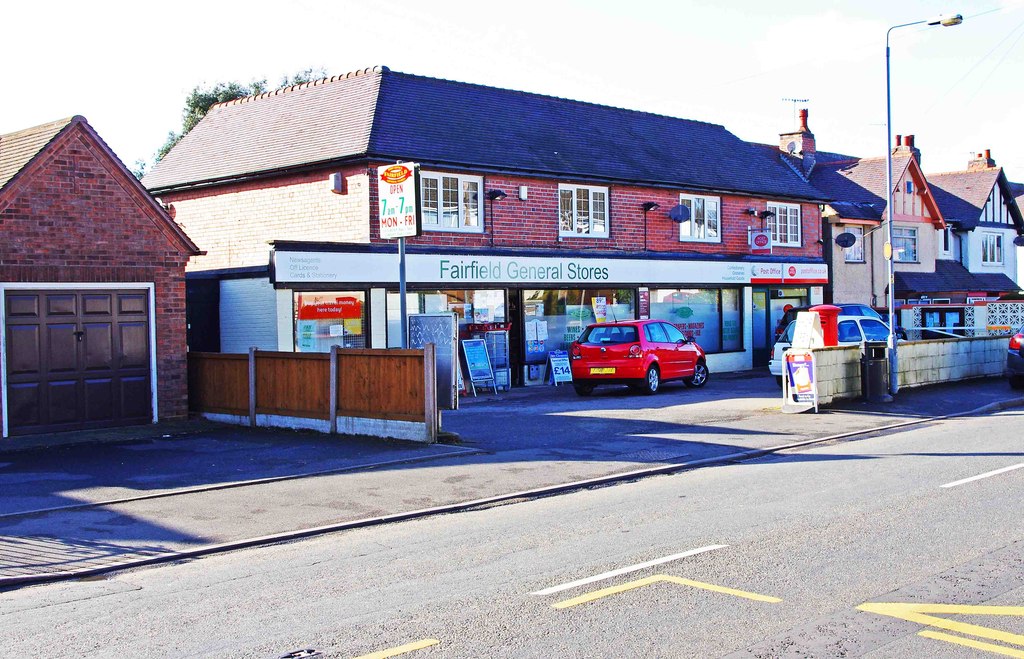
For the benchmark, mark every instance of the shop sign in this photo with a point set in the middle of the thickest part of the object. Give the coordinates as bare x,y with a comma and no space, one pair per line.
760,241
356,267
399,210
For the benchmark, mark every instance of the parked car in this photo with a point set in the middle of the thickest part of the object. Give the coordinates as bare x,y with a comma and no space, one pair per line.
845,309
1015,360
851,330
640,353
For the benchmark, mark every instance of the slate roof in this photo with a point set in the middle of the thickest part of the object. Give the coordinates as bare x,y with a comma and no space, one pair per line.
951,276
857,185
19,148
381,114
962,195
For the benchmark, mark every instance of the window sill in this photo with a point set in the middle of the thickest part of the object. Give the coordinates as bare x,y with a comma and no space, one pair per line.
471,230
592,236
700,241
855,262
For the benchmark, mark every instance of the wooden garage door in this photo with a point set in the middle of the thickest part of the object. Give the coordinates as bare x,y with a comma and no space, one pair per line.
77,359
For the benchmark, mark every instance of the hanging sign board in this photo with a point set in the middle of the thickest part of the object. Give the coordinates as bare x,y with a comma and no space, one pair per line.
561,371
760,241
478,364
399,210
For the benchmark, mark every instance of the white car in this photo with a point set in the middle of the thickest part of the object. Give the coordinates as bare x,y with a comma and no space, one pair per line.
852,330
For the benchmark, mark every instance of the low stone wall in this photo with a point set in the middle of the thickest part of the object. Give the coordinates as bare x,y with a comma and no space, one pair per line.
920,363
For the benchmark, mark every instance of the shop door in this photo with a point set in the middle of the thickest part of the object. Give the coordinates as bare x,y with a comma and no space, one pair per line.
762,333
77,360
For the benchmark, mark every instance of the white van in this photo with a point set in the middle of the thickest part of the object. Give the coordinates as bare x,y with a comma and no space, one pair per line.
852,330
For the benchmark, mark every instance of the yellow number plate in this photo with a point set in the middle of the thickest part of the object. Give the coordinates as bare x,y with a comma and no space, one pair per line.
602,371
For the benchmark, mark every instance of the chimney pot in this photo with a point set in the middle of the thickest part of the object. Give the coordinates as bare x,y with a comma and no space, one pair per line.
909,141
899,140
803,121
988,154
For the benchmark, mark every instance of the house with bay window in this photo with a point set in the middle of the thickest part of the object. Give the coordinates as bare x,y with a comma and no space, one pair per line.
859,206
539,214
983,219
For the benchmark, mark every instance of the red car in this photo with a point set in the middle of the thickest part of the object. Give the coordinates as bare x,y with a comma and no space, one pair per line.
640,353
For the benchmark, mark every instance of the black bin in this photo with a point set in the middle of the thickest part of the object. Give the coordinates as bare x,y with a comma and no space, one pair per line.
874,372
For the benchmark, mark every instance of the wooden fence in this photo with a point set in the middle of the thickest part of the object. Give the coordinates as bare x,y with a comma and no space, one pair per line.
387,393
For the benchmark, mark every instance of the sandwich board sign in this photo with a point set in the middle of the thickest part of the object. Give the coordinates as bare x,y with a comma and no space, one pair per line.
560,371
799,369
478,363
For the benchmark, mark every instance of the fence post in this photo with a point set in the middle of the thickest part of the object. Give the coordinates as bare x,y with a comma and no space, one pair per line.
252,387
430,412
333,388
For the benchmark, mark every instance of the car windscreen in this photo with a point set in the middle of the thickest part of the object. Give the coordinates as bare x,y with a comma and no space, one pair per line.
613,335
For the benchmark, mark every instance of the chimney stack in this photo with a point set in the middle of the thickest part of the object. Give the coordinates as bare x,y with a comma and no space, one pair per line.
800,144
982,162
905,147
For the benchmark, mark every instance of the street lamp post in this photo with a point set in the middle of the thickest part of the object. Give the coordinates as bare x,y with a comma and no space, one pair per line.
945,21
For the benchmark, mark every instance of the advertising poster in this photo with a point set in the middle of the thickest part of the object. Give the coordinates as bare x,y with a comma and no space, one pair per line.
600,309
800,371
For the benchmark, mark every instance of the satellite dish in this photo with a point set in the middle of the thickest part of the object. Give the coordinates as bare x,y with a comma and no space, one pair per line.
679,213
1019,241
846,239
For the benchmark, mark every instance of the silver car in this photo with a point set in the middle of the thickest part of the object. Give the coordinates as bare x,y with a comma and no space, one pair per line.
852,330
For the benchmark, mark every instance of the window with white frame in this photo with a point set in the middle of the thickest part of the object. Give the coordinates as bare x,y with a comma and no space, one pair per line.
785,225
704,224
855,253
582,211
904,245
451,202
992,248
946,249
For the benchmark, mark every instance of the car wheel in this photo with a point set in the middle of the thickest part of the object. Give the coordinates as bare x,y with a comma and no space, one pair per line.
583,389
699,377
1017,381
652,381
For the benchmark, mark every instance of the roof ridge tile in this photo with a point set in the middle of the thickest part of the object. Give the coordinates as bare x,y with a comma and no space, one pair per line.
303,85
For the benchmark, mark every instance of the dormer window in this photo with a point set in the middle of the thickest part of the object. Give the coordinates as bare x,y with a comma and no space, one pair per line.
910,187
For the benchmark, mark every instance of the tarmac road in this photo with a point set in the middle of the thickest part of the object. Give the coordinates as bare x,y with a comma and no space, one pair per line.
787,555
512,442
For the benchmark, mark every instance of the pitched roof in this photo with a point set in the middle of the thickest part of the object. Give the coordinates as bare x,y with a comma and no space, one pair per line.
19,148
962,195
951,276
381,114
857,186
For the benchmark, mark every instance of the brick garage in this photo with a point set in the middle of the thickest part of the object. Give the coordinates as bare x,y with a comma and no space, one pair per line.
92,277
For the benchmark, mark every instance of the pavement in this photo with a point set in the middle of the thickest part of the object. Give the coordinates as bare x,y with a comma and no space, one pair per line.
81,504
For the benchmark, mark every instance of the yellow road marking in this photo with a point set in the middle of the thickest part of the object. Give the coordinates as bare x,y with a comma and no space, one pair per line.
977,645
659,578
918,613
402,649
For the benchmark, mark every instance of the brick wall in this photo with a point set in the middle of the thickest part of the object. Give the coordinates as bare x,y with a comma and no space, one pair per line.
234,223
75,216
533,223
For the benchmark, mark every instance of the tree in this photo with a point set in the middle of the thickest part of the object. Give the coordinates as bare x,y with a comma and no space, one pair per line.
201,99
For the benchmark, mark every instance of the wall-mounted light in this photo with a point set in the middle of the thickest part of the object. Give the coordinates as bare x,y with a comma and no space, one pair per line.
493,196
649,206
750,211
522,192
496,195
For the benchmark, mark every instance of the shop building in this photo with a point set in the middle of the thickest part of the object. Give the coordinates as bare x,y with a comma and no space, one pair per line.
92,288
539,214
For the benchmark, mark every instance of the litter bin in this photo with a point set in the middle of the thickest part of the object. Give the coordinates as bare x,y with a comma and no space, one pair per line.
874,372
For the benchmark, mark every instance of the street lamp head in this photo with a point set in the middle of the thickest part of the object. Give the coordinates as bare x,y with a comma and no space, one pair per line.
946,20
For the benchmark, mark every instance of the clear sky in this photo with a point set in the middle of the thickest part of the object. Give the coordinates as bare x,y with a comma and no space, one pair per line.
127,66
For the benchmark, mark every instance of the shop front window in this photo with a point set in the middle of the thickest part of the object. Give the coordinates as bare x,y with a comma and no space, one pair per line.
710,316
554,318
469,306
323,320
